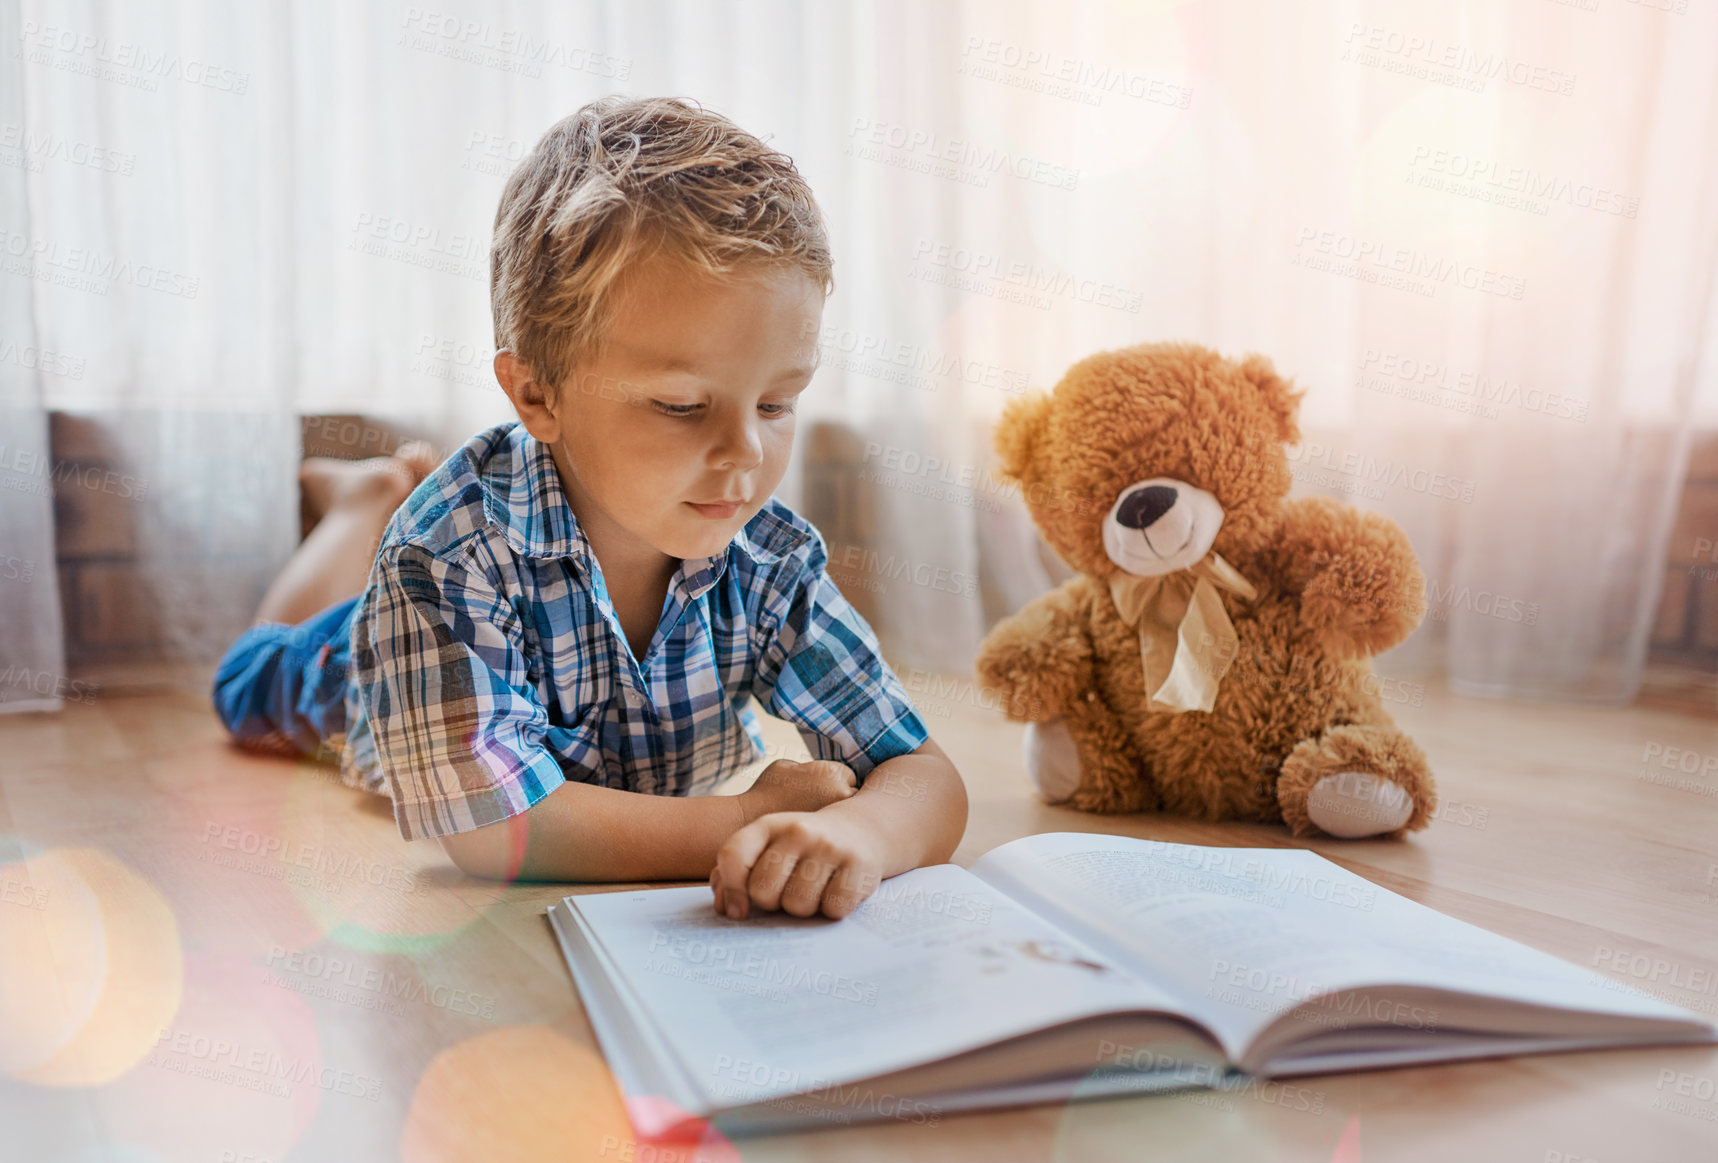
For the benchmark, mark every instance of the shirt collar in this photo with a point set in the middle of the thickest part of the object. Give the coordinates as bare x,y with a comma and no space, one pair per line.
525,500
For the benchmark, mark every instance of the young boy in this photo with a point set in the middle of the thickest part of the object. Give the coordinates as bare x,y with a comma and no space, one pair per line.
544,654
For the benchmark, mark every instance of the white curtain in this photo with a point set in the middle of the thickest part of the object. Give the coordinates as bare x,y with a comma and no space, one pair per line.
32,656
235,214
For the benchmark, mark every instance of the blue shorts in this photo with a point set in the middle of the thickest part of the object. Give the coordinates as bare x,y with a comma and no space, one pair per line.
282,689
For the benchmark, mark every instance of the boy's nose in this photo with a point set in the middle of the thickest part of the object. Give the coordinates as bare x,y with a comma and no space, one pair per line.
741,451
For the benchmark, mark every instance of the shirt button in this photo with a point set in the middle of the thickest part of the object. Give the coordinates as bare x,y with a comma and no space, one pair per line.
632,699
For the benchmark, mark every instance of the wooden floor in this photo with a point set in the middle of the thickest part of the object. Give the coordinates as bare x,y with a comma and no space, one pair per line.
207,956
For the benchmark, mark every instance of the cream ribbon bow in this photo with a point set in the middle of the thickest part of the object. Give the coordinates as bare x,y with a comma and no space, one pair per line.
1186,641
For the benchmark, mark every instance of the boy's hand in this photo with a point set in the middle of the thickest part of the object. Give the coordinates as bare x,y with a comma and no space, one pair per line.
799,862
791,786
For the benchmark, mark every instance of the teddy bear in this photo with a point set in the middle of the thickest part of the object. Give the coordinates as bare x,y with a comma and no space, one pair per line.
1212,654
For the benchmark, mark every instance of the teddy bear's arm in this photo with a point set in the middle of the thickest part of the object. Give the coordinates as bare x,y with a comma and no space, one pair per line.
1355,572
1037,661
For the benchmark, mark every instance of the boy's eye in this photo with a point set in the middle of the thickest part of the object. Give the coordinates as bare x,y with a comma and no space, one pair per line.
771,410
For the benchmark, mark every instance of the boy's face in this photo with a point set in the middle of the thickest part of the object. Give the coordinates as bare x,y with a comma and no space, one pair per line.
690,405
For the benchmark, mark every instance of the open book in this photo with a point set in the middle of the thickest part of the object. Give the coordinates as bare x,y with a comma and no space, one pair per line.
1061,966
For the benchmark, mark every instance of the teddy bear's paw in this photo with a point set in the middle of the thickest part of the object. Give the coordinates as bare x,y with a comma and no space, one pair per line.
1052,759
1351,804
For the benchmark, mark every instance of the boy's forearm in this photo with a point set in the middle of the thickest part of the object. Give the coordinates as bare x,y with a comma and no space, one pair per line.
581,832
917,804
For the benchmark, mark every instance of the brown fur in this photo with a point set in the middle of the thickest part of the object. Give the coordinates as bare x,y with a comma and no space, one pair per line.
1336,586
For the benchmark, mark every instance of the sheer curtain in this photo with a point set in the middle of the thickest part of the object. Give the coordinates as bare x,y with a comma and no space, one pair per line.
1481,235
32,655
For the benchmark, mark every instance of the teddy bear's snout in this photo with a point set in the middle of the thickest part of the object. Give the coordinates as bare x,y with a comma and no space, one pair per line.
1161,525
1141,507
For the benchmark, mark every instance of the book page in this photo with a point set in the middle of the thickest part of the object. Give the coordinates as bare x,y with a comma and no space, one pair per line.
935,962
1242,936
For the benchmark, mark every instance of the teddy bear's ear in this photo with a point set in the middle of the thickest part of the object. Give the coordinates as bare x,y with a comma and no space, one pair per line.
1019,432
1278,395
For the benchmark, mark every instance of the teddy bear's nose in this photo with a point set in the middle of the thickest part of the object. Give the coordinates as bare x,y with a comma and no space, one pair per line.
1144,506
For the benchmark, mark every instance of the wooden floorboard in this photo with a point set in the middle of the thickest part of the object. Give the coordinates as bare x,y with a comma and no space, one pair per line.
206,955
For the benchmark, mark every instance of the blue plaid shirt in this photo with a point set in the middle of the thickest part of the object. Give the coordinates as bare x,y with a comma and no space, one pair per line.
489,665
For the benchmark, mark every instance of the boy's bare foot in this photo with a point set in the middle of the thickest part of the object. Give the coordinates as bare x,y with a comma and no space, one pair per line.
328,482
346,506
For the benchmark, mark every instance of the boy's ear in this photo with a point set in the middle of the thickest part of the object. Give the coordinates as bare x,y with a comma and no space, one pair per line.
530,398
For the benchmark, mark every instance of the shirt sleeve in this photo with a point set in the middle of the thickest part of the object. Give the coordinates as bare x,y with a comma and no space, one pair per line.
444,681
820,668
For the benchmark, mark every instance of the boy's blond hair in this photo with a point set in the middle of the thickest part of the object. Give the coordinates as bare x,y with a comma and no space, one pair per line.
617,181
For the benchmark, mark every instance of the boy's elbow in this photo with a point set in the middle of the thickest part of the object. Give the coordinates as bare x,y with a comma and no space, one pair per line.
955,827
954,806
482,853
